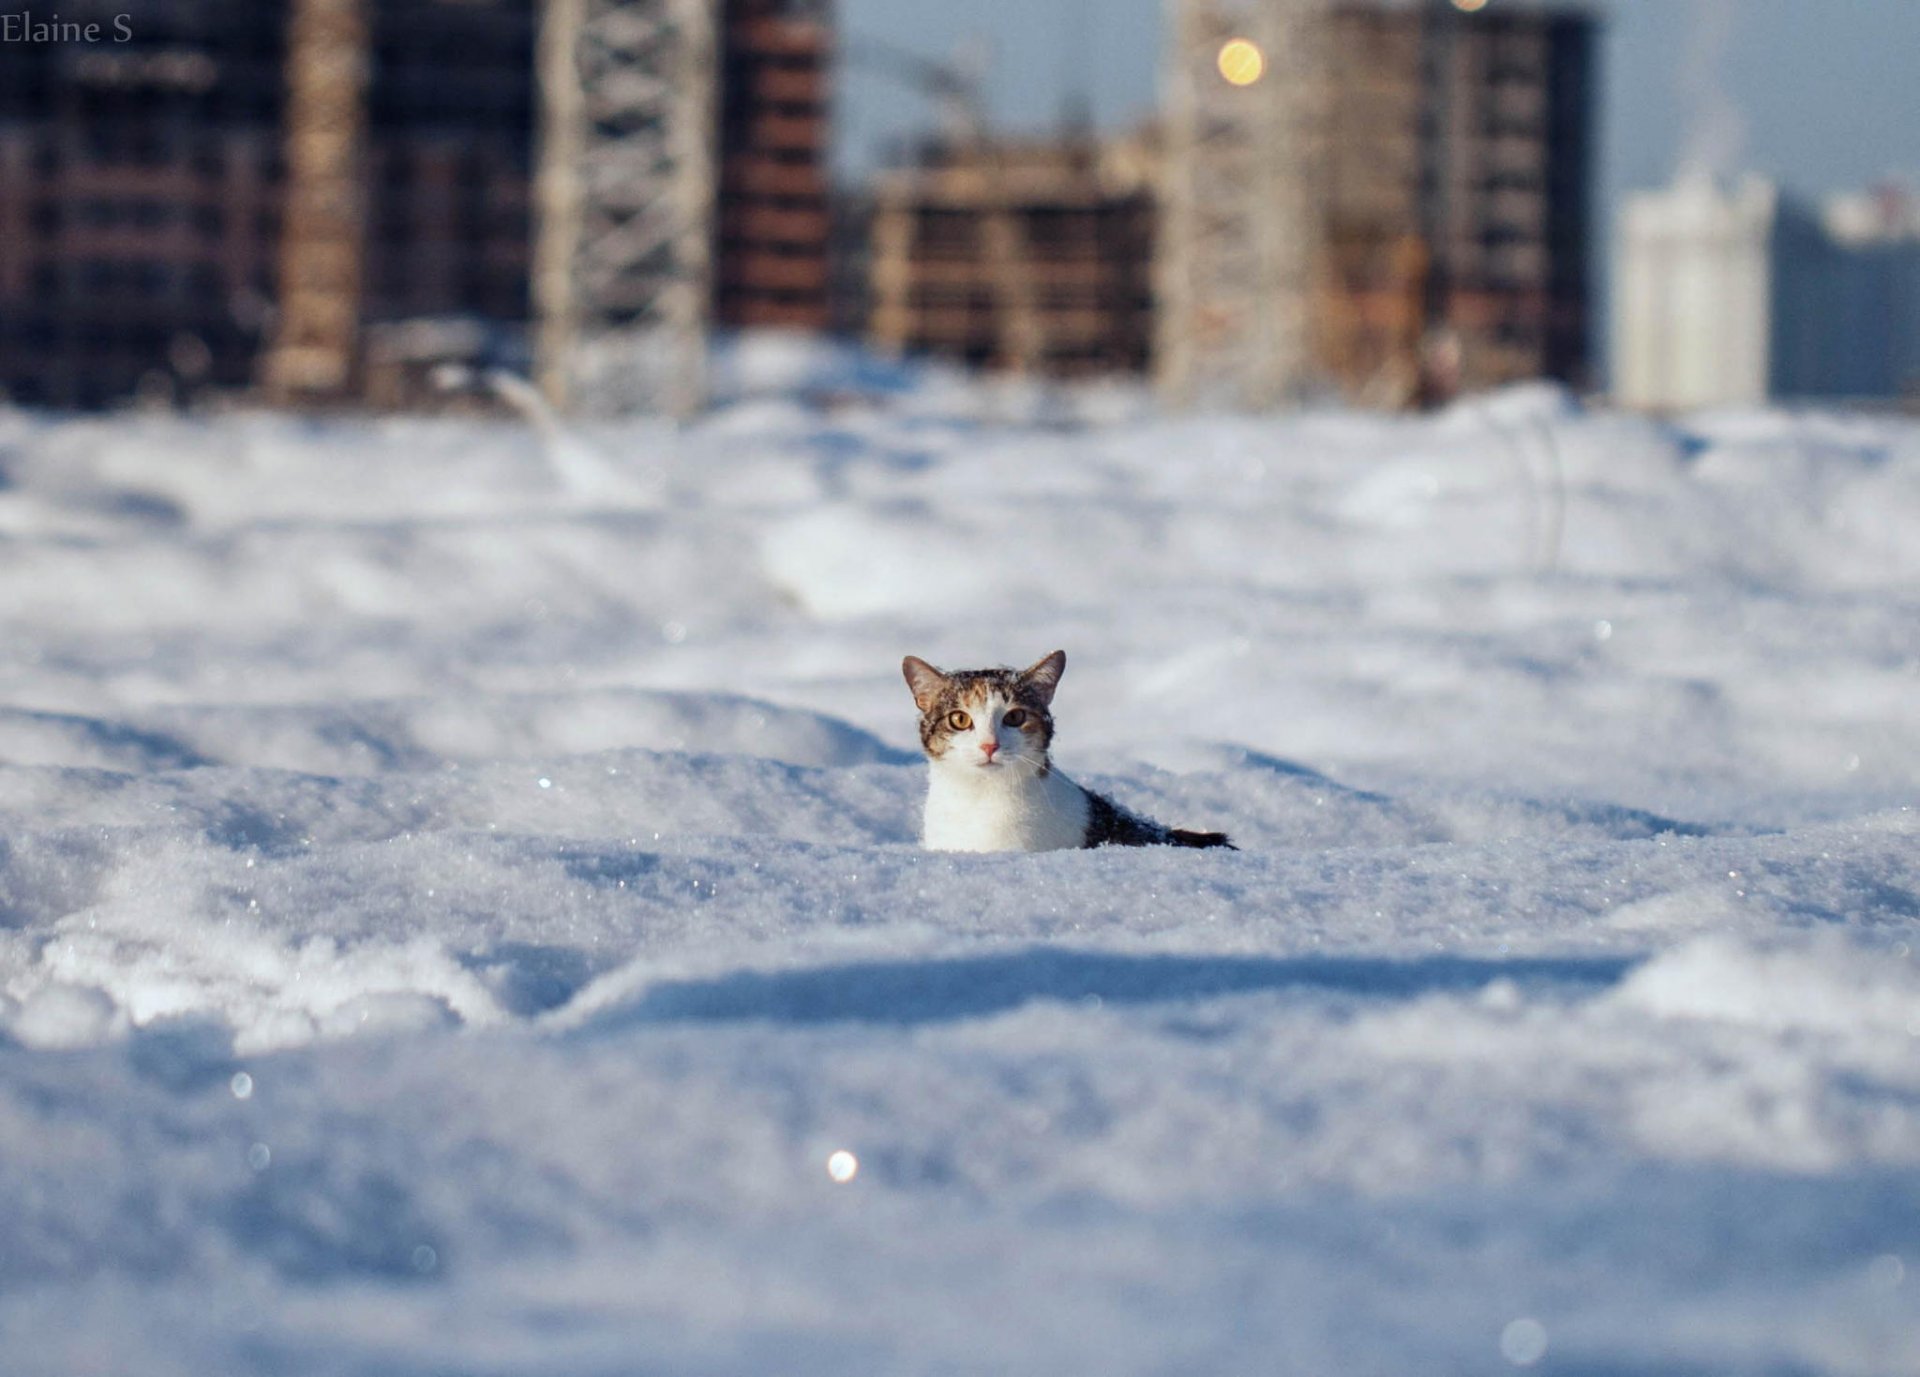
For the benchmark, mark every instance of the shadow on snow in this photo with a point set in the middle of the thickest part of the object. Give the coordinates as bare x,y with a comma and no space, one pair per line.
946,989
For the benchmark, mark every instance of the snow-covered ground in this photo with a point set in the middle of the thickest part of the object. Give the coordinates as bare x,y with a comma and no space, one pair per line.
458,892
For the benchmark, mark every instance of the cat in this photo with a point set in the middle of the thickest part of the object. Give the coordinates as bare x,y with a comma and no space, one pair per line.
991,785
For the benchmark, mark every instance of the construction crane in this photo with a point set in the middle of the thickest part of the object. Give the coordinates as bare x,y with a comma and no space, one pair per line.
624,203
1239,245
316,336
953,85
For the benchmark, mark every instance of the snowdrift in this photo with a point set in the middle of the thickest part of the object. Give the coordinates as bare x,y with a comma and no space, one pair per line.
451,910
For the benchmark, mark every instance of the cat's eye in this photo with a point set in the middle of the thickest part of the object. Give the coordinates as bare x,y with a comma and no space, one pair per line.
959,721
1016,718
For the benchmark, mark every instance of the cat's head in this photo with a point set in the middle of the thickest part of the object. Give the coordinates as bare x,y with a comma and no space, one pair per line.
986,721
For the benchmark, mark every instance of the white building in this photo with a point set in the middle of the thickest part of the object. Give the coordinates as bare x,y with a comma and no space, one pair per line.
1735,295
1692,295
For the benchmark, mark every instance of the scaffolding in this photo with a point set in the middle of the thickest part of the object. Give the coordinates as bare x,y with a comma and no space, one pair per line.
624,203
1240,244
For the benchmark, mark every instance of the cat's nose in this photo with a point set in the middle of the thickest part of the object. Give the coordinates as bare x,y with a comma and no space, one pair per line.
987,748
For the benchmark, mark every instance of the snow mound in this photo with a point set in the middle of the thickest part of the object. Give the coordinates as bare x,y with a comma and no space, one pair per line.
1833,989
460,908
372,735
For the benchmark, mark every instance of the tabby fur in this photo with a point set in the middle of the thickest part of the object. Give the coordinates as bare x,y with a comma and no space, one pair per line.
992,786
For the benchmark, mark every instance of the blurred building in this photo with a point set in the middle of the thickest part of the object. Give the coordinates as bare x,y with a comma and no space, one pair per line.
1868,345
1456,199
145,180
775,86
449,159
143,184
1387,198
139,200
1738,295
1390,198
1693,296
1027,256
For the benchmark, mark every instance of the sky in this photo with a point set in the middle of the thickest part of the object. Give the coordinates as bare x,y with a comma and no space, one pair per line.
1820,95
1823,91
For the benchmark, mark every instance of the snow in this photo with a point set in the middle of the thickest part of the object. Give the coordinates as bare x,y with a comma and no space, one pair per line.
460,908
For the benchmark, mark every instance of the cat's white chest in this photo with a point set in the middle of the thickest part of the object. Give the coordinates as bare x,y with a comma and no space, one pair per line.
1003,811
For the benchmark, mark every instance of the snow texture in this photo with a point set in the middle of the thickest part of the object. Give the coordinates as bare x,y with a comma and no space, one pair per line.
459,892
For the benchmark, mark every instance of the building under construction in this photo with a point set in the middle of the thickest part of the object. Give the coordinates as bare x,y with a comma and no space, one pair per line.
242,189
774,80
1454,236
139,201
1385,199
1388,197
1032,257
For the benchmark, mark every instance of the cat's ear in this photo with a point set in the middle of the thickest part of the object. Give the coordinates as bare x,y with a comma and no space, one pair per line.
1044,677
925,681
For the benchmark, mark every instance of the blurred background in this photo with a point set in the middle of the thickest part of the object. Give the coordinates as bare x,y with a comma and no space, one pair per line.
373,203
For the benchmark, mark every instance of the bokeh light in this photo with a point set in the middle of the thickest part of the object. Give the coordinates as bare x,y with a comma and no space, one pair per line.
1524,1342
1469,5
1241,61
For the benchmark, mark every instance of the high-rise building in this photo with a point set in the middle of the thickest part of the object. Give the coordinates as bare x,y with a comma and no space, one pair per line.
1693,314
1356,189
143,183
771,265
1385,198
1459,159
1737,295
1868,345
139,198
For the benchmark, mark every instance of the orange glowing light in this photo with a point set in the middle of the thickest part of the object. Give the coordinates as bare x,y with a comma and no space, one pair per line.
1469,5
1241,61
